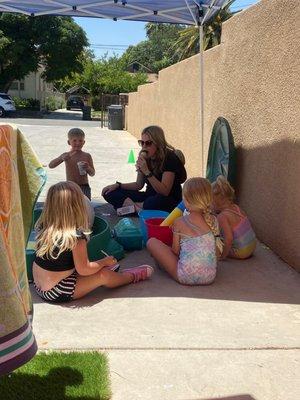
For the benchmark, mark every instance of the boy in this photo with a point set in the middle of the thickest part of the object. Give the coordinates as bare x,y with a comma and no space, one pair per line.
78,163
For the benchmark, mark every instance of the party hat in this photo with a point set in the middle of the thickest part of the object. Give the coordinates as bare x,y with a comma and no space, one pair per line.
131,157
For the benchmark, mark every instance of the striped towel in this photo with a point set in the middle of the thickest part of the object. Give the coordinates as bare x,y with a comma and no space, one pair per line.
21,180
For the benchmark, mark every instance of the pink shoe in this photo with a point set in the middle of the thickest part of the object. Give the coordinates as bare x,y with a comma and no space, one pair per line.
140,273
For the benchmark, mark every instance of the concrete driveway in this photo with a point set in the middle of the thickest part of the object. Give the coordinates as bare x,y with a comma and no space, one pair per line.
238,339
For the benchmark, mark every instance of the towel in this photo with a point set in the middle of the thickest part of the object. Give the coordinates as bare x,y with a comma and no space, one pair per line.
21,180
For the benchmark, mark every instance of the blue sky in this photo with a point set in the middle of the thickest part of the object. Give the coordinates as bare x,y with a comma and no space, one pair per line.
113,37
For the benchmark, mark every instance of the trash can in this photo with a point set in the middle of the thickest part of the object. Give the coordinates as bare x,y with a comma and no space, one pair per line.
86,113
115,117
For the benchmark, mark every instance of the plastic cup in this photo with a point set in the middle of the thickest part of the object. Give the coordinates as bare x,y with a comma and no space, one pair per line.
81,167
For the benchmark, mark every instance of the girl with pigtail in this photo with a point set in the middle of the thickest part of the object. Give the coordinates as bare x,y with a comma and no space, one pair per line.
192,260
236,230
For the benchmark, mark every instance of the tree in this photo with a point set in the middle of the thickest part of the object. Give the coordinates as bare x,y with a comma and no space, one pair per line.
156,52
187,44
107,75
26,43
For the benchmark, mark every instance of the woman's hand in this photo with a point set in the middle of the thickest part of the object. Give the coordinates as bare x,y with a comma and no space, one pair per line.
109,188
141,165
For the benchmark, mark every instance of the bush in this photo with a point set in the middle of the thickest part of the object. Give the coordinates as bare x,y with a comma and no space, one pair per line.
96,103
53,103
26,104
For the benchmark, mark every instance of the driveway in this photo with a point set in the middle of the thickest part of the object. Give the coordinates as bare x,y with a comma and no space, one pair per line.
238,339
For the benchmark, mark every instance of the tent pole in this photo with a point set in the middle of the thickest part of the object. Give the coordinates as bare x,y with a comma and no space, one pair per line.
201,45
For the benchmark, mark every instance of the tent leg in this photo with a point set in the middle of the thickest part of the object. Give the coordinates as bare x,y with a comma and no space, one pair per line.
202,96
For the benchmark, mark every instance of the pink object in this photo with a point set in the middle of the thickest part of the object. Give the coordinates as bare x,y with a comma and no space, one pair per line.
140,273
163,233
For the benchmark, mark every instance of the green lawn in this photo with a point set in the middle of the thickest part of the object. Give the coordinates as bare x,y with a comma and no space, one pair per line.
59,376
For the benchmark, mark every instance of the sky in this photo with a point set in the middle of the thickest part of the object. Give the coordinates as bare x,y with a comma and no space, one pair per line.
106,36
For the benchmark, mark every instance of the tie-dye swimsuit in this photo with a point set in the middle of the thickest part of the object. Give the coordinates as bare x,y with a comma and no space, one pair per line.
244,240
197,264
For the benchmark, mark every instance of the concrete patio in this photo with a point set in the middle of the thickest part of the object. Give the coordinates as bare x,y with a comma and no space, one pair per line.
237,339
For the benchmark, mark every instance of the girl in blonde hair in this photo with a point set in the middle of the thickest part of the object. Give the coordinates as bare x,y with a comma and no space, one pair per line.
160,167
192,260
62,270
238,235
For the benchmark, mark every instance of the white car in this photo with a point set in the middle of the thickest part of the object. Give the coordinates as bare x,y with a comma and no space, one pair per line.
6,104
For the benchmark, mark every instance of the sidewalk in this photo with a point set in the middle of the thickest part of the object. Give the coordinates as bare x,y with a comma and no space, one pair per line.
237,339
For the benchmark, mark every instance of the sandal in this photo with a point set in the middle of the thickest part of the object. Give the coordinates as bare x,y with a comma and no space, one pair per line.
140,273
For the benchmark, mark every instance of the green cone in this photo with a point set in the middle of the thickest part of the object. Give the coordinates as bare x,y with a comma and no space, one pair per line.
131,157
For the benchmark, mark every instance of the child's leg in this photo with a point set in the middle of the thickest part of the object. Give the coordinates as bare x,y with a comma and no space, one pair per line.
110,279
164,255
86,284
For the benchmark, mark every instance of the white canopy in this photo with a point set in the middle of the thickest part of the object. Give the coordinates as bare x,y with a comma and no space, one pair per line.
189,12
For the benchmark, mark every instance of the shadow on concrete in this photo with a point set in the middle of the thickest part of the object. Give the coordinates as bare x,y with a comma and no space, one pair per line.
18,386
66,115
262,278
238,397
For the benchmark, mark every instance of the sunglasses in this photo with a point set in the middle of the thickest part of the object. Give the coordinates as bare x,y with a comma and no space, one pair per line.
146,143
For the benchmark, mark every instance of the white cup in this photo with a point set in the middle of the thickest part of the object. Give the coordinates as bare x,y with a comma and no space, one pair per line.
81,167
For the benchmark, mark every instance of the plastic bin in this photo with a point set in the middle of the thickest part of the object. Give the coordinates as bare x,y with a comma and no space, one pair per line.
86,113
115,117
128,234
147,214
163,233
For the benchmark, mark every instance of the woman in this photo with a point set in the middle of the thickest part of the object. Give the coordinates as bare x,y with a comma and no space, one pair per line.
160,167
61,270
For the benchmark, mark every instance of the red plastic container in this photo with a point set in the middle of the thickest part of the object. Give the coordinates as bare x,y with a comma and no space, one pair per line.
163,233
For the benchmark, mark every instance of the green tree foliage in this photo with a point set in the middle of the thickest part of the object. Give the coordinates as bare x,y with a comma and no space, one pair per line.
157,51
106,75
188,45
28,42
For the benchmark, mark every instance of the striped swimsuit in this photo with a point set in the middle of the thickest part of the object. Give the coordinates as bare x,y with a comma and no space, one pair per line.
244,239
62,292
197,264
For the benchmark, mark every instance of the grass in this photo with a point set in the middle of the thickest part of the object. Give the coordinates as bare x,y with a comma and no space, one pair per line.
59,376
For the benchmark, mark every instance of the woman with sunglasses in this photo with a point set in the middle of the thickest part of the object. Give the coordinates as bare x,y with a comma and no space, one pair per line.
160,167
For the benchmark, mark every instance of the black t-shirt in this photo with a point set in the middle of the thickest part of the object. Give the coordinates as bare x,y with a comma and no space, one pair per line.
64,262
171,164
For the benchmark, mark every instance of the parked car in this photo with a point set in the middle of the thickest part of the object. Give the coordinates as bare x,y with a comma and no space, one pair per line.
7,105
75,103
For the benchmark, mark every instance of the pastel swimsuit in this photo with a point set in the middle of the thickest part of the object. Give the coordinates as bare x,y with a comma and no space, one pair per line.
244,239
197,264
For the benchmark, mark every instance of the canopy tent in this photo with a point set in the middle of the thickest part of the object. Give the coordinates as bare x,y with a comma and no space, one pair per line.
188,12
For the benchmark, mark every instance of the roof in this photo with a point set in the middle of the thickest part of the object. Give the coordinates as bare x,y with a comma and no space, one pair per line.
78,89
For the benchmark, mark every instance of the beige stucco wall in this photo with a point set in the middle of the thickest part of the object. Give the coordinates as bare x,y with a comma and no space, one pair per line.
252,79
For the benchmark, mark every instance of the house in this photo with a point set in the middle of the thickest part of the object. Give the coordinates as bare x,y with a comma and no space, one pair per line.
136,66
33,86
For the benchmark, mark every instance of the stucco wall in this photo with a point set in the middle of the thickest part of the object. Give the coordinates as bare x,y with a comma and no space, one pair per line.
252,79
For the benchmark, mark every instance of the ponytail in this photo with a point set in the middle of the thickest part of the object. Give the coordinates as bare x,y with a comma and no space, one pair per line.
212,222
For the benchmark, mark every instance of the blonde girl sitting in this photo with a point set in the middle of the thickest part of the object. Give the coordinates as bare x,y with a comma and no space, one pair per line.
236,230
192,260
62,270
